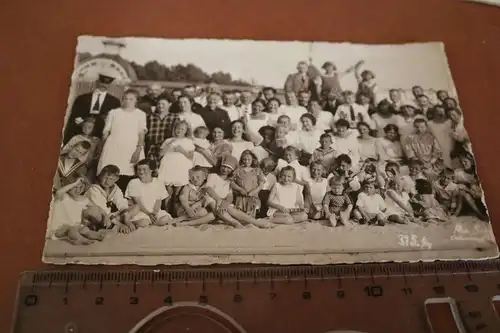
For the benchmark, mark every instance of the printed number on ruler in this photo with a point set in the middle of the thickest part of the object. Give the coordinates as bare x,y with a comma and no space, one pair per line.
414,241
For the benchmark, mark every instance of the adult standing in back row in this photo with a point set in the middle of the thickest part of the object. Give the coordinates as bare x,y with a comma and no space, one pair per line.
299,81
97,103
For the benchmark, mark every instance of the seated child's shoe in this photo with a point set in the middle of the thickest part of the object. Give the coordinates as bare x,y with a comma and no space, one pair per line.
380,223
373,221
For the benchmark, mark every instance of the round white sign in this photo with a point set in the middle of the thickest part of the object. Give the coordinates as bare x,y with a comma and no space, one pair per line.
90,70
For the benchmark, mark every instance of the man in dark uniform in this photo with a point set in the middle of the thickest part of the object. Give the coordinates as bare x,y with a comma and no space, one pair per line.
97,103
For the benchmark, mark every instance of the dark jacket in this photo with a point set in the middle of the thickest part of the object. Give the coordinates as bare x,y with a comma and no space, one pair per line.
215,118
81,109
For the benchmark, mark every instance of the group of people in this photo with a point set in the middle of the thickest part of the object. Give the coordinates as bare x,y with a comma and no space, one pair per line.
245,158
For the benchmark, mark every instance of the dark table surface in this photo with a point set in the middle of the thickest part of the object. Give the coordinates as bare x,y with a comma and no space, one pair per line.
38,47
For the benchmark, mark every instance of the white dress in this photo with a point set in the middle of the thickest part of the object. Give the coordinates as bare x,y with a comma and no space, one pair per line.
273,118
288,196
174,166
239,147
318,191
148,193
221,187
324,121
198,158
124,128
405,125
442,133
392,207
254,125
66,211
381,122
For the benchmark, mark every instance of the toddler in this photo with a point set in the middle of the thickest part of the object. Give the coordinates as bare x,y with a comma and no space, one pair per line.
337,205
370,207
286,201
247,182
202,147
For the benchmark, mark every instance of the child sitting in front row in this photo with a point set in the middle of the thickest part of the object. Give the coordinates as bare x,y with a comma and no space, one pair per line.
337,205
342,168
286,201
317,187
447,192
428,208
291,159
107,195
397,202
370,207
72,213
267,165
147,194
192,199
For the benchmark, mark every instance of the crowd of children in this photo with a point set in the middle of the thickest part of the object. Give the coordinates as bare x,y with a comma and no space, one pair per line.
345,158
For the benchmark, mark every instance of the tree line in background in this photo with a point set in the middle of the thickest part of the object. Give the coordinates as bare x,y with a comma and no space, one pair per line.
155,71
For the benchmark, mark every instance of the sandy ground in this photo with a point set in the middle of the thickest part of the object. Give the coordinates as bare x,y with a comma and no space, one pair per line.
307,243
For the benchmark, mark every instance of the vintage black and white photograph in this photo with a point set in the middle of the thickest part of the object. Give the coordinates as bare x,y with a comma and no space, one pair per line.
203,151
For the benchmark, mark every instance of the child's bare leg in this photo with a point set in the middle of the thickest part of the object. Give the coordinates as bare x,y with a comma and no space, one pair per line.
76,238
142,223
199,221
333,220
472,204
396,219
227,218
94,235
62,231
241,216
381,219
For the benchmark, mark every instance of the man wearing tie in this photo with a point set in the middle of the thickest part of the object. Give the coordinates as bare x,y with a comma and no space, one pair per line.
97,104
299,81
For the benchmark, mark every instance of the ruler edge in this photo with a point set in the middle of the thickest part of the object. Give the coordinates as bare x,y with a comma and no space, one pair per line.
226,272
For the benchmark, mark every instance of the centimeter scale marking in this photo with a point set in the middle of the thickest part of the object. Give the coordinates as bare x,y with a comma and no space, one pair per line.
374,298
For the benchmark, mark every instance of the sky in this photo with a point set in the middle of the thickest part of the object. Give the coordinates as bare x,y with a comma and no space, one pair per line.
269,63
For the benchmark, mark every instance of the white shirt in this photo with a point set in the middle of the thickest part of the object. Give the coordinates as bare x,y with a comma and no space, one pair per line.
348,145
270,181
308,141
67,211
233,112
371,204
294,112
301,172
148,193
220,186
239,147
360,111
97,94
245,109
292,138
324,121
318,190
98,196
194,120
